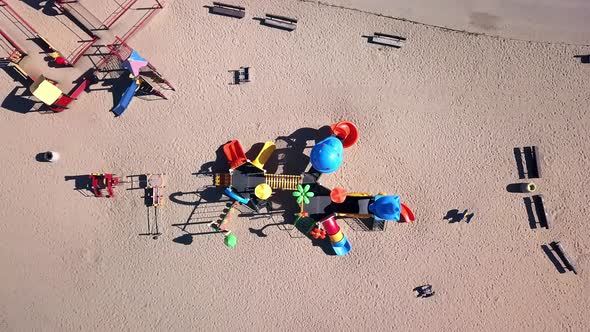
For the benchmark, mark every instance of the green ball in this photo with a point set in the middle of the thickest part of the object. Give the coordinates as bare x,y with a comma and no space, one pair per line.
231,240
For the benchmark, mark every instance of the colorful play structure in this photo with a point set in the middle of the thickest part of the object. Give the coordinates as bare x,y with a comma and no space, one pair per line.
104,184
51,95
248,184
144,77
119,60
100,182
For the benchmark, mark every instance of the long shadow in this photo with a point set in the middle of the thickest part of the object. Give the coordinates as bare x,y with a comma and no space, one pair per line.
208,194
48,8
542,215
118,87
185,239
531,158
35,4
552,258
519,163
82,183
19,103
207,207
514,188
454,216
289,154
17,77
219,165
528,203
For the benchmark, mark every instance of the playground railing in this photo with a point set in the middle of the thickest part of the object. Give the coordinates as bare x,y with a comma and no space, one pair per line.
149,14
79,52
13,12
83,16
115,16
14,50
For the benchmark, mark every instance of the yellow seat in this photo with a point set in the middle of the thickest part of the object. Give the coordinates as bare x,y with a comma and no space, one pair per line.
45,91
263,191
264,154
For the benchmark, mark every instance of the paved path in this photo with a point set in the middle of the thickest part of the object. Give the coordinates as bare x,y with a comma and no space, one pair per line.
541,20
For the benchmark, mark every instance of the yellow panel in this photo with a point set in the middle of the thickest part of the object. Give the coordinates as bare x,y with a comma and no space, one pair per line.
45,91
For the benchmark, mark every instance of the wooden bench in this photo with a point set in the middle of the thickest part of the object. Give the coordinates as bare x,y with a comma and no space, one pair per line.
528,160
280,22
227,10
567,262
387,40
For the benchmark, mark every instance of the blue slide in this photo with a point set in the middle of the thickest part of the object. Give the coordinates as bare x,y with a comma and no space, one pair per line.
126,98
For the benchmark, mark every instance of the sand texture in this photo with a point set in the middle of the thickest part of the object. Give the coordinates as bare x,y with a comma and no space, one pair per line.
438,118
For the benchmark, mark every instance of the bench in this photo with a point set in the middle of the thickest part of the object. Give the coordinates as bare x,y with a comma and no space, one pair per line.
227,10
387,40
280,22
528,161
542,215
567,262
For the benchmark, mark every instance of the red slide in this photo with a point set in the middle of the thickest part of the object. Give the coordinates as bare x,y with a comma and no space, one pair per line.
406,214
347,132
235,154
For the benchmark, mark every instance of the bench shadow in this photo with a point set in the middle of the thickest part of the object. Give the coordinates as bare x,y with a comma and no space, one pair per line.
82,184
552,258
583,58
519,163
528,203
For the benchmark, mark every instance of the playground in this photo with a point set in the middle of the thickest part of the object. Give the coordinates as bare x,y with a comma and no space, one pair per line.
127,230
88,51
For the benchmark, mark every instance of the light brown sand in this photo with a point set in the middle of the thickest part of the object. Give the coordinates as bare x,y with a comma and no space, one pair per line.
438,120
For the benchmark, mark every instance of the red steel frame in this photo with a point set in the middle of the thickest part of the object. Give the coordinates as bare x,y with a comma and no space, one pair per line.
32,30
13,12
153,10
115,49
76,56
117,15
120,50
14,45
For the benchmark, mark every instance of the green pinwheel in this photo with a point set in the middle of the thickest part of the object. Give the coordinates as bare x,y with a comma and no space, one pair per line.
303,194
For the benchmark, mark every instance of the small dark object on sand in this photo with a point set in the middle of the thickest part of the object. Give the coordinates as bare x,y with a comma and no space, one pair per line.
424,291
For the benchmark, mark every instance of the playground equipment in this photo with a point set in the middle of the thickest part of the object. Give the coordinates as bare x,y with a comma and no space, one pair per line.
125,100
387,40
14,53
154,197
248,184
144,77
101,182
49,94
280,22
227,10
133,64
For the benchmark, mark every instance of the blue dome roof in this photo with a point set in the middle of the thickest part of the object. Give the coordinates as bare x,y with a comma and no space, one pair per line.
326,155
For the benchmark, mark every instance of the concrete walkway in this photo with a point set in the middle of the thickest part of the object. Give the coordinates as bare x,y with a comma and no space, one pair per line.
539,20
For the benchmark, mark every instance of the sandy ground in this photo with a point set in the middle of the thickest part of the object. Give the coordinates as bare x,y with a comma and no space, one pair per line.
439,120
540,20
